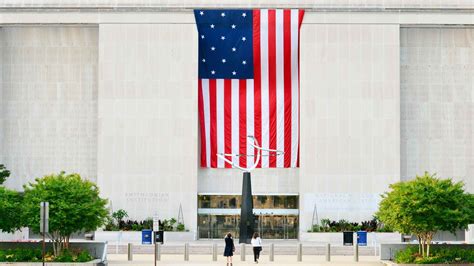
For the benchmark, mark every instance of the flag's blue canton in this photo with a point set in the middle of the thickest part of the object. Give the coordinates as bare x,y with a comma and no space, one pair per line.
225,44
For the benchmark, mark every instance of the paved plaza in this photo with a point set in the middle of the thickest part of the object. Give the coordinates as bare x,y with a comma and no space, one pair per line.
198,260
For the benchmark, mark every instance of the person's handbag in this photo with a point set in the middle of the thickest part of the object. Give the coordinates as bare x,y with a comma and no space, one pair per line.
260,249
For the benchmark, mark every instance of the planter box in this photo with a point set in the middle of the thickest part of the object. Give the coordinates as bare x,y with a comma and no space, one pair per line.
90,263
470,234
135,237
179,237
388,251
97,250
119,237
389,263
19,235
373,238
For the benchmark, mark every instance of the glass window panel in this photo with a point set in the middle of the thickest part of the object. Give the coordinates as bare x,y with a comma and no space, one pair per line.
260,202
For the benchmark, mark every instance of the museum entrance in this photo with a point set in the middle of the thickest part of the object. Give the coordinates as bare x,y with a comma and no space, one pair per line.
276,216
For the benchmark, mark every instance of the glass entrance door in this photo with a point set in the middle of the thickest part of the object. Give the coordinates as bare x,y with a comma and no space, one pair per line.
277,226
217,226
269,226
276,216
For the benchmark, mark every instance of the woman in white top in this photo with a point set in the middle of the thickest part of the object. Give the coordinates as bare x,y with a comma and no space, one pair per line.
257,246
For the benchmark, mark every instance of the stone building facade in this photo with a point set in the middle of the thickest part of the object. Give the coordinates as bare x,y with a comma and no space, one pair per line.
108,89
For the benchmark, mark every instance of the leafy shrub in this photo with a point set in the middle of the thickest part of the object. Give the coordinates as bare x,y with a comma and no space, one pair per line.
4,173
439,254
180,227
34,255
119,215
17,255
65,256
342,225
10,210
115,222
84,256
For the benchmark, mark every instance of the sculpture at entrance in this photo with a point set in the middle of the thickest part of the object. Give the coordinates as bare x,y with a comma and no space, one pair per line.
247,219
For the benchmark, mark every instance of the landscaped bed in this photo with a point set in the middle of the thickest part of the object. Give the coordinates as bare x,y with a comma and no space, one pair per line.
440,254
35,255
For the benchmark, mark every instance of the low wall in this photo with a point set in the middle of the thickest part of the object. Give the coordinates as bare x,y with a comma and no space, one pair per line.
470,234
388,251
119,237
135,237
373,238
20,235
178,237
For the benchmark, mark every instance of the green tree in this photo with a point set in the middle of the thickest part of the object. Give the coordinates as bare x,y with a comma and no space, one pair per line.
426,205
10,210
74,206
4,173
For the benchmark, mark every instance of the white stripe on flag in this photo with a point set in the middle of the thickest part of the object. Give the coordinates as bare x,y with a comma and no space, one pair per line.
264,85
279,87
250,122
294,87
207,119
235,121
220,120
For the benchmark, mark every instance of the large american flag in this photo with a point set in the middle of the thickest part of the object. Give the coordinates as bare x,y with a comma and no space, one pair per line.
249,85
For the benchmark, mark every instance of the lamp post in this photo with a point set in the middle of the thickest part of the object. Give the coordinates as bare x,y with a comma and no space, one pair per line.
247,219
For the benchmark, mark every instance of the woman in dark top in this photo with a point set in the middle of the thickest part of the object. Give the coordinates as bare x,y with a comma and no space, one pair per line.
229,248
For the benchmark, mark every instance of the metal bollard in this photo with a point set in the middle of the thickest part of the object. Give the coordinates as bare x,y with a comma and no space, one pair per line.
272,252
242,251
214,252
186,252
130,251
157,251
356,252
299,253
328,252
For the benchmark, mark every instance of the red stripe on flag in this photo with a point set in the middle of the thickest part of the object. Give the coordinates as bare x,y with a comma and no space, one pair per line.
272,101
257,81
202,124
243,122
213,124
228,120
300,21
287,84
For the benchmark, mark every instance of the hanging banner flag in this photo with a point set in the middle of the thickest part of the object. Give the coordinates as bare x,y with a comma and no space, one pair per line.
249,85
